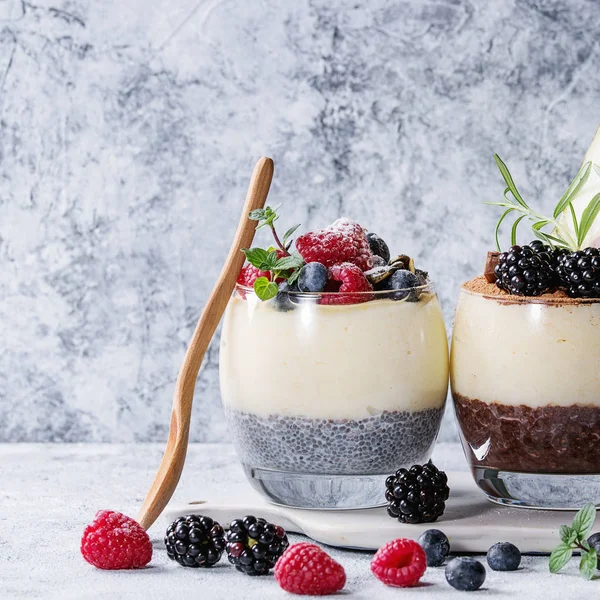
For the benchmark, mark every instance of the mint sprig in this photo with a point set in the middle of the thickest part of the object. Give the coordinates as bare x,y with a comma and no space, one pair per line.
575,538
561,237
285,267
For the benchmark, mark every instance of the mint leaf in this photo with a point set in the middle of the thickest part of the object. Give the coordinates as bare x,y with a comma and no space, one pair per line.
256,256
288,233
289,262
567,535
265,289
584,520
560,557
258,214
588,564
293,277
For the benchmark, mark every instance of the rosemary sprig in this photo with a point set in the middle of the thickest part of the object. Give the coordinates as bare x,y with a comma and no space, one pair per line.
561,236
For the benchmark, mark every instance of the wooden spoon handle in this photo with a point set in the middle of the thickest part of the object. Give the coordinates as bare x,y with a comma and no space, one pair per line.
173,459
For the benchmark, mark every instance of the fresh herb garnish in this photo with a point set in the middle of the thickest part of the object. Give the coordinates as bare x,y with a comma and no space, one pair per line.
575,538
277,261
561,236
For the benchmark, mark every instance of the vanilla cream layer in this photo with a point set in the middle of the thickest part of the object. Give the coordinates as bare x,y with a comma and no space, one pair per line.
333,362
532,354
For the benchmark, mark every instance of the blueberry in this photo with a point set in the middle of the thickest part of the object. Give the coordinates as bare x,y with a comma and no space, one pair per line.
594,542
378,246
465,574
404,281
313,277
436,546
282,300
504,556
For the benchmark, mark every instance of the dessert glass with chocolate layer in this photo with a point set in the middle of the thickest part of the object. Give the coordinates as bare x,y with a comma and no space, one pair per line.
325,400
525,377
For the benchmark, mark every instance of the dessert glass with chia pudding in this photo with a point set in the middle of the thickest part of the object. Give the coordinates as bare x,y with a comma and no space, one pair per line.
338,379
525,358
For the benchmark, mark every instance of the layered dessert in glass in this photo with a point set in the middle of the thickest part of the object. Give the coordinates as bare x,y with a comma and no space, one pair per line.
338,375
525,359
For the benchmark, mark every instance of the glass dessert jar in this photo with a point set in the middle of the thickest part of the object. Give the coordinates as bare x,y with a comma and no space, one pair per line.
324,399
525,376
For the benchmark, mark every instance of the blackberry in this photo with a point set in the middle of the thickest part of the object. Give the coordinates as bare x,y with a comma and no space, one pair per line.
195,541
526,270
579,272
417,495
253,545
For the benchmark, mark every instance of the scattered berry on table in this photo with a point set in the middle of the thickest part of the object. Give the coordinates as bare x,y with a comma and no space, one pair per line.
253,545
465,574
417,495
404,282
343,241
579,272
399,563
504,556
594,542
436,546
353,280
313,277
526,270
307,570
378,246
195,541
115,541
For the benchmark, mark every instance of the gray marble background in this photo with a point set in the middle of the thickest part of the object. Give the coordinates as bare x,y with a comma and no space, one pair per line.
128,131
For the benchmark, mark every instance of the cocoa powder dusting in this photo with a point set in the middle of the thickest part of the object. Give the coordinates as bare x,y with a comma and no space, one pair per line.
479,285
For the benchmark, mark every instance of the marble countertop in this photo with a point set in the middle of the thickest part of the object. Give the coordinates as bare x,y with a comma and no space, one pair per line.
49,493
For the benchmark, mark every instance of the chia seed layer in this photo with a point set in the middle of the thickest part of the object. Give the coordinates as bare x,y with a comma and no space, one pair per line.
375,445
547,439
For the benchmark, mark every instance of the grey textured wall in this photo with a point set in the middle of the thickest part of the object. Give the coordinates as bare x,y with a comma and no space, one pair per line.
129,128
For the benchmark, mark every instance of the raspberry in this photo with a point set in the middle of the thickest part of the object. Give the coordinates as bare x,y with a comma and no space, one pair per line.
343,241
399,563
115,541
305,569
353,280
249,274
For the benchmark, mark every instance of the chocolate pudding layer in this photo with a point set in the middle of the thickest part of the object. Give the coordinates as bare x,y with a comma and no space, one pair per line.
543,439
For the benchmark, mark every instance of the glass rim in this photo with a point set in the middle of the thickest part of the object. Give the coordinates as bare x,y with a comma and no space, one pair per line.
427,287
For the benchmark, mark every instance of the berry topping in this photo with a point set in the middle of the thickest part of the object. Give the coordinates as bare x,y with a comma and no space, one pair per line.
378,261
378,246
399,563
343,241
313,277
253,545
404,282
436,546
465,574
594,542
579,272
195,541
504,556
249,274
525,270
307,570
282,300
115,541
417,495
353,281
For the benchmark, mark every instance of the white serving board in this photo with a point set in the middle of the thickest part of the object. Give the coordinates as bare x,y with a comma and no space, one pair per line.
471,522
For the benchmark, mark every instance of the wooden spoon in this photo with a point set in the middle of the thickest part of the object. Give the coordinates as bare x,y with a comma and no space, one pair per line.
173,459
